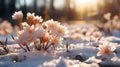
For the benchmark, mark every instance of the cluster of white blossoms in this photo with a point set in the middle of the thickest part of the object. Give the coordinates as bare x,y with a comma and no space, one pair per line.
33,19
112,23
43,34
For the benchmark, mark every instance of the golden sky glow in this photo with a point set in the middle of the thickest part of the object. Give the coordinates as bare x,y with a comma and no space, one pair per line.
82,6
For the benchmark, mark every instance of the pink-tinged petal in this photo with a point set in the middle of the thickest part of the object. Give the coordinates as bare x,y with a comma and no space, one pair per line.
99,54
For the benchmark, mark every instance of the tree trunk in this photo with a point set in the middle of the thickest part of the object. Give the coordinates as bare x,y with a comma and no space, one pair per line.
35,6
52,5
2,8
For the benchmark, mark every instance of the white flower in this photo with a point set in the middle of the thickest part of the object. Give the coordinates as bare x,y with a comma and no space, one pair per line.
97,34
84,31
46,38
40,32
24,25
37,19
76,36
5,28
44,25
17,16
52,25
30,29
30,17
106,51
21,38
57,40
27,35
107,16
60,31
24,39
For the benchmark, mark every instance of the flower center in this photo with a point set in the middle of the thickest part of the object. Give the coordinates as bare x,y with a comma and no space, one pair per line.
30,31
106,51
60,31
36,21
56,40
52,25
30,39
6,32
30,18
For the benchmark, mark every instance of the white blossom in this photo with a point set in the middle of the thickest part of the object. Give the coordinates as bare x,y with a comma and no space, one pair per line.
60,31
17,16
106,51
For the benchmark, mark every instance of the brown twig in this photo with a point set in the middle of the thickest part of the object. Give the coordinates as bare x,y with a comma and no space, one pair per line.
27,47
36,46
12,37
22,48
4,47
6,41
67,46
48,46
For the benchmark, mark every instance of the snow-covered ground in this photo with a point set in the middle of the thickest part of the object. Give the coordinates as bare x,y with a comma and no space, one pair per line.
83,46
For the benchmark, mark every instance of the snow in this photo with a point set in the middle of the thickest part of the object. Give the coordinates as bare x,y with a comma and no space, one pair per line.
84,47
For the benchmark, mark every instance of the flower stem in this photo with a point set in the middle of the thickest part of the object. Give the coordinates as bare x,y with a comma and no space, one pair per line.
12,37
48,46
4,47
36,46
27,48
67,45
22,48
6,41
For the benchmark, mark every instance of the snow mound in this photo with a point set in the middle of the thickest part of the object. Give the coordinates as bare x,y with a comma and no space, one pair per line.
62,62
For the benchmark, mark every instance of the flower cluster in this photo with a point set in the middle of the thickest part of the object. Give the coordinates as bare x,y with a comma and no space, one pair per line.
33,19
43,34
111,24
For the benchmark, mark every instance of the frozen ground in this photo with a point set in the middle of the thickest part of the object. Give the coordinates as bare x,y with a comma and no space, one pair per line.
83,43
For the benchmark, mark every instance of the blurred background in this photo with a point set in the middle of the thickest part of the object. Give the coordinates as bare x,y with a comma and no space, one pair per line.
62,10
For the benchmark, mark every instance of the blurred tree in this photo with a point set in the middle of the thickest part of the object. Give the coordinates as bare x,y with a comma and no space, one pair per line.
46,16
116,6
35,6
52,5
24,6
12,6
2,8
9,8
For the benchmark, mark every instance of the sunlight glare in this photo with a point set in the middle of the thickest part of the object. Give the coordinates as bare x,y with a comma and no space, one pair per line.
86,2
83,5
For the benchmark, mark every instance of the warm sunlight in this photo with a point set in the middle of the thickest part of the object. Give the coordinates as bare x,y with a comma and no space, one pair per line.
86,2
59,33
83,6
